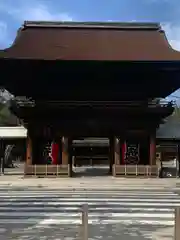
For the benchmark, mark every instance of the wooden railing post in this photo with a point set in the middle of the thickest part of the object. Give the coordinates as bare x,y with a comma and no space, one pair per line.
177,224
85,222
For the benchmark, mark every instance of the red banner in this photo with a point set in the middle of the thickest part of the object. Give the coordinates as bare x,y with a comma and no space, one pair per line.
55,153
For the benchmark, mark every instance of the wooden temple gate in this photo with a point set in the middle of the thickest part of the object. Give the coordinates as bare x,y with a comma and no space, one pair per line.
109,86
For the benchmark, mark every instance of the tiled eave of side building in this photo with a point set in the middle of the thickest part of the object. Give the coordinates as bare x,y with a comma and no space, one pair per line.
170,130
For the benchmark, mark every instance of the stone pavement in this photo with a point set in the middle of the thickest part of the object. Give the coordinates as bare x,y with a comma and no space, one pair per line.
90,182
50,214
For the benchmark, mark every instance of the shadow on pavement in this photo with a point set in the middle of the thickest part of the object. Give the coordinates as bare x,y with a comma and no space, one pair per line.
96,232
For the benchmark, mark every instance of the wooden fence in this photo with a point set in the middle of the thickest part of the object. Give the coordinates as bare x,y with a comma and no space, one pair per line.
135,170
48,170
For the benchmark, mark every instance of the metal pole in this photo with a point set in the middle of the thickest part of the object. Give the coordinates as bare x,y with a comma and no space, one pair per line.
177,224
2,165
178,160
1,156
85,222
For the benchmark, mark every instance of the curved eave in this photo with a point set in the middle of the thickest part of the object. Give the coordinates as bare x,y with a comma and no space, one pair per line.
161,111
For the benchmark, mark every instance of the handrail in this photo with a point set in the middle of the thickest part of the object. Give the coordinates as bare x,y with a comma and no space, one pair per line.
85,225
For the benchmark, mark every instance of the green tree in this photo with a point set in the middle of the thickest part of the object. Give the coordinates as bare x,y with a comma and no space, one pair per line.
6,117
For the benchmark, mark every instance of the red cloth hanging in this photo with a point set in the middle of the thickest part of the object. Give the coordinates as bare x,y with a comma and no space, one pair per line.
55,153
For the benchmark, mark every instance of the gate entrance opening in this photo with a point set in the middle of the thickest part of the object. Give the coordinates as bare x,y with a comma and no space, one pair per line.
91,157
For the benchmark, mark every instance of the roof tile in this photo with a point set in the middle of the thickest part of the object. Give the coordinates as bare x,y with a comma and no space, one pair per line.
91,41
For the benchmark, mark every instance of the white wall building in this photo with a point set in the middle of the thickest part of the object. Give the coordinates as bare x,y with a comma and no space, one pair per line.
13,132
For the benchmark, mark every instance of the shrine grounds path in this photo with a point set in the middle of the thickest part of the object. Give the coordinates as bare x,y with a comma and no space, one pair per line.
105,182
31,211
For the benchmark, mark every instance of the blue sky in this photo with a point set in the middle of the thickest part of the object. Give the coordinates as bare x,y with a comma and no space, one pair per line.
14,12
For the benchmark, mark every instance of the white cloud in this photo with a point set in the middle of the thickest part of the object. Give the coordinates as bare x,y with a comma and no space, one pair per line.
35,11
22,11
173,35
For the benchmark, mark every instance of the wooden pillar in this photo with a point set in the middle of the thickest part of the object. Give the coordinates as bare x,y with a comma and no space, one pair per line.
65,154
66,151
152,157
29,151
70,157
111,153
123,151
60,151
117,151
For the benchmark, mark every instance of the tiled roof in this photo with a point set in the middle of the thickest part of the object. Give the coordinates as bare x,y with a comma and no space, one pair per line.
170,129
91,41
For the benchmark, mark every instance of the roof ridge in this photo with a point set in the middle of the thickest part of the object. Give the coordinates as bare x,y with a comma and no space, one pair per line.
114,25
